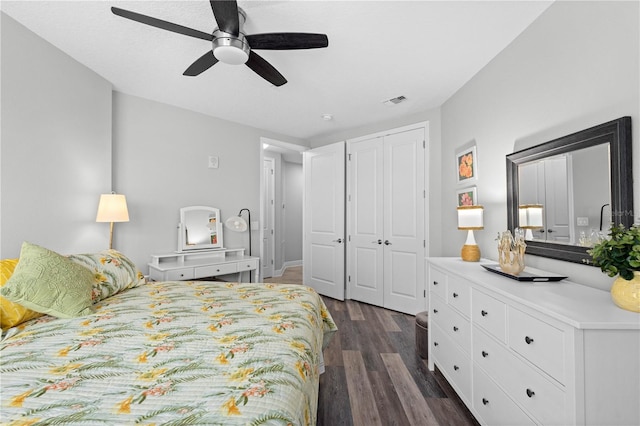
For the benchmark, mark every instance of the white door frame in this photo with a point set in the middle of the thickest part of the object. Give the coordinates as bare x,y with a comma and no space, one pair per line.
287,145
269,221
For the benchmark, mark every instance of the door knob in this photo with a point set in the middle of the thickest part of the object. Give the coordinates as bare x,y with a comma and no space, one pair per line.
376,242
339,241
387,243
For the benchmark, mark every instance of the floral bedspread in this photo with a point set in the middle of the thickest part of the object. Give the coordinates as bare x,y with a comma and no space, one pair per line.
172,353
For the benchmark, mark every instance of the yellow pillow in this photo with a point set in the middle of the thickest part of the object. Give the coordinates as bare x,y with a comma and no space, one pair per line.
12,314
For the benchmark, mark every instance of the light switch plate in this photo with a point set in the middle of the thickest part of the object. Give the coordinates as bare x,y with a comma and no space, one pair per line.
213,162
583,221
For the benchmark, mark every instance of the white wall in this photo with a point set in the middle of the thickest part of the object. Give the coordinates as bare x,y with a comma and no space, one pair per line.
293,189
160,162
575,67
55,147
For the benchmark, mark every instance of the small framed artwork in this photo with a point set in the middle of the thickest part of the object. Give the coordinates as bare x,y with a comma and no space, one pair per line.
467,164
467,196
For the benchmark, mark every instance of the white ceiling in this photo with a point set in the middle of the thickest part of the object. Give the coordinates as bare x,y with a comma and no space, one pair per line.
424,50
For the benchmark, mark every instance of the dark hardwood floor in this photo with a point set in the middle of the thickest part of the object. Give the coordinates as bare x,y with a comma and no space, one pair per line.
373,375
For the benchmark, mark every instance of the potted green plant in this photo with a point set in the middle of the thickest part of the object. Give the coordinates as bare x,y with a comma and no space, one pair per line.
619,255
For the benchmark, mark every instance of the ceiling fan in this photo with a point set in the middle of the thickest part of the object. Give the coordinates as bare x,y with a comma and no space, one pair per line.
230,44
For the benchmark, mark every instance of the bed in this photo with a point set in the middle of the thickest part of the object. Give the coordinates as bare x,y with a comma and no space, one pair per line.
185,352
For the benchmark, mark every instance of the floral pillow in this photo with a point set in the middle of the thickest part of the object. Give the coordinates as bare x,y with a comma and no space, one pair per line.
113,272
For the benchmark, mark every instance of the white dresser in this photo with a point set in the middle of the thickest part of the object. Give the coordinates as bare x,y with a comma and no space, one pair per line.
201,264
520,353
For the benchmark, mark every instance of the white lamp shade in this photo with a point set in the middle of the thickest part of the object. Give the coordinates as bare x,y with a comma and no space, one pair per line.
112,208
530,216
236,223
470,217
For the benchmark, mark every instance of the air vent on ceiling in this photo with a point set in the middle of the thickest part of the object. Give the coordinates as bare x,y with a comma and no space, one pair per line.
395,101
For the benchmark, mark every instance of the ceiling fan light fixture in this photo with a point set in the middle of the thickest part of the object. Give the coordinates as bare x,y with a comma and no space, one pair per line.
229,49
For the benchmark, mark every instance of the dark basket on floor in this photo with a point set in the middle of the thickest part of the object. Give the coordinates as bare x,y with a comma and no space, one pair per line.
422,335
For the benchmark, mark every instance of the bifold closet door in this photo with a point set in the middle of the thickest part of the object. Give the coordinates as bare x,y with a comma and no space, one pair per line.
324,214
366,204
386,221
404,194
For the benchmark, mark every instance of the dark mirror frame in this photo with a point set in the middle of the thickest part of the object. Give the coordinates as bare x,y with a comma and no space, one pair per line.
618,134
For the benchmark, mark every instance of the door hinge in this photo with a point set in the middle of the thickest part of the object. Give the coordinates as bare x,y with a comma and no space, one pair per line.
271,171
424,193
349,237
424,144
349,278
349,197
272,261
424,243
349,156
424,293
272,232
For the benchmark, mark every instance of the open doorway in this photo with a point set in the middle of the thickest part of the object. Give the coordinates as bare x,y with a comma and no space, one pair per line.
281,200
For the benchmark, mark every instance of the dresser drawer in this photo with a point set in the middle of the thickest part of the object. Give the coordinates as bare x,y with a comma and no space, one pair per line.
455,325
538,395
490,314
247,265
438,282
493,406
213,270
537,341
179,274
459,295
454,364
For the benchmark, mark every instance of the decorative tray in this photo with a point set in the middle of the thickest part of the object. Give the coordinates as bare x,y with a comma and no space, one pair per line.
523,276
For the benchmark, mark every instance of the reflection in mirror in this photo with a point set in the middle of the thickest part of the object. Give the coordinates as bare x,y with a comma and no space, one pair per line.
573,190
200,228
583,183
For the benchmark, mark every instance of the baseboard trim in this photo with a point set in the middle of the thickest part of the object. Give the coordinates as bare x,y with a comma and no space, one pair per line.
285,265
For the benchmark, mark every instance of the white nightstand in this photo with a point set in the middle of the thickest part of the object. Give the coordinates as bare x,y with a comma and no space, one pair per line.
201,264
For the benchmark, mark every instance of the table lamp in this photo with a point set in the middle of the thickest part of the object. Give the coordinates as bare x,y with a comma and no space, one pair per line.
112,208
470,218
530,217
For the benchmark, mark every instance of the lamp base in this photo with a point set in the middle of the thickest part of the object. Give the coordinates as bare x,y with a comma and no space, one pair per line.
470,253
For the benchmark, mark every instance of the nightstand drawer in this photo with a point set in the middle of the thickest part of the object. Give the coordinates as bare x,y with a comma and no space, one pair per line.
179,274
438,282
247,265
537,341
214,270
490,314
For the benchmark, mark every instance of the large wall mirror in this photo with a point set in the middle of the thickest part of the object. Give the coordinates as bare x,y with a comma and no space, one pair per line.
200,228
582,183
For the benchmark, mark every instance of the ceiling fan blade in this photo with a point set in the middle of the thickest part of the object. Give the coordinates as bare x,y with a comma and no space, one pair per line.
159,23
265,70
226,14
201,64
287,41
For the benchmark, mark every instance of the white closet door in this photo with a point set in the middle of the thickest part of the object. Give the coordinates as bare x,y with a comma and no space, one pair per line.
324,216
404,221
366,223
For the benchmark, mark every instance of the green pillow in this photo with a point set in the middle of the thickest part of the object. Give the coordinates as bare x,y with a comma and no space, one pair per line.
45,281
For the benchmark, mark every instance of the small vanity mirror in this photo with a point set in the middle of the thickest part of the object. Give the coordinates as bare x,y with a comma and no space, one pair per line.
579,184
200,228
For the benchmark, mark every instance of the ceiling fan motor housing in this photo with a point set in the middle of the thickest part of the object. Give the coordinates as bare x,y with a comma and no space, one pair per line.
230,49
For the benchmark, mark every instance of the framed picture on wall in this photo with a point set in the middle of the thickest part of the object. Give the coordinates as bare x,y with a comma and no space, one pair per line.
467,164
467,196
